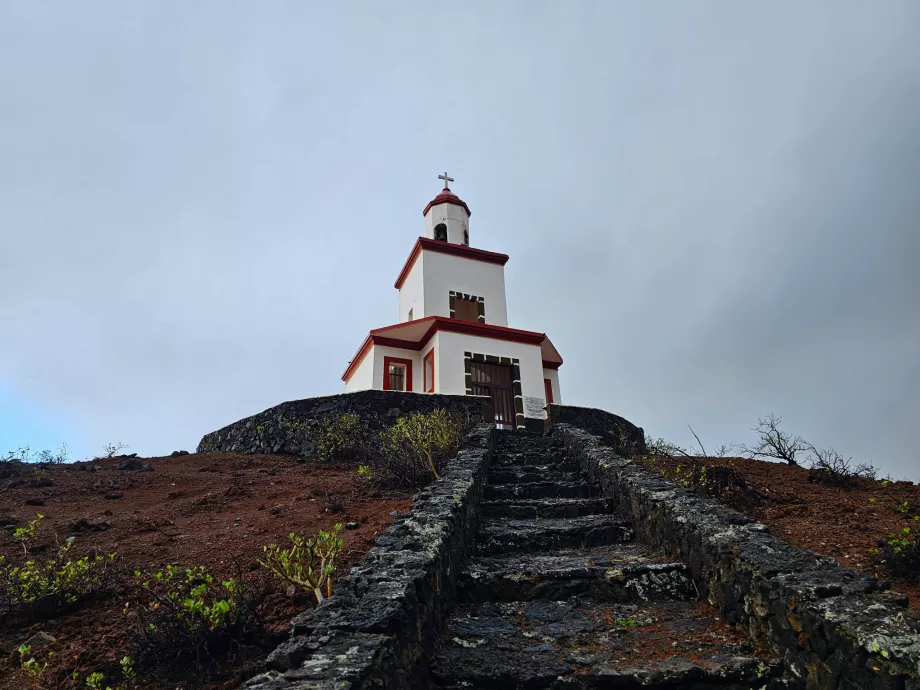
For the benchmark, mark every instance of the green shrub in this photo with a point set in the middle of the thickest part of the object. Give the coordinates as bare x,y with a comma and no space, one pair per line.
32,590
902,547
342,437
413,452
186,616
309,563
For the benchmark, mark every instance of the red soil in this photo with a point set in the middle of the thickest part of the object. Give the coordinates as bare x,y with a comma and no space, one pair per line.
208,509
845,524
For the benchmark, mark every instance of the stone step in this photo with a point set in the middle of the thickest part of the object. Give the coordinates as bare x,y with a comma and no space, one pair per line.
547,507
618,573
498,536
537,463
530,475
587,644
546,489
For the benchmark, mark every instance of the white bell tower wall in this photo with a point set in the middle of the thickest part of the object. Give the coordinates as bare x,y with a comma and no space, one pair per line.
443,273
454,217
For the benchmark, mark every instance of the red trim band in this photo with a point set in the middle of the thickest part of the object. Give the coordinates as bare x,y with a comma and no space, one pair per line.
440,323
447,248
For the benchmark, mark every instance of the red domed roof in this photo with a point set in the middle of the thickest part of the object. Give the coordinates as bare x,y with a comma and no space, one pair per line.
447,197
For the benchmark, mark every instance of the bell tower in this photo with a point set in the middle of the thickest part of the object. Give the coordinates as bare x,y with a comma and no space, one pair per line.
447,217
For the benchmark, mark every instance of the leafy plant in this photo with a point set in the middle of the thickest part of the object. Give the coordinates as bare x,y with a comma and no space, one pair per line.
341,437
412,452
33,669
902,547
30,589
39,675
187,616
26,534
365,472
309,563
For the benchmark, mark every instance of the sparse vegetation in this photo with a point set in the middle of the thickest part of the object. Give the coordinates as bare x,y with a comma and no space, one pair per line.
25,455
342,437
33,590
773,442
414,451
109,450
309,563
902,547
185,617
407,455
39,675
830,468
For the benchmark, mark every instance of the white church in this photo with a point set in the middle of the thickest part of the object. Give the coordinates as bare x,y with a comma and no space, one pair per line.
453,335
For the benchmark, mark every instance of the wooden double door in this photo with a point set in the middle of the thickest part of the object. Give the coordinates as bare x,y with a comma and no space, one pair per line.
494,380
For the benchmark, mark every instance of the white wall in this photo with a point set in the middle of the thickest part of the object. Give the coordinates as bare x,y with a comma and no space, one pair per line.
411,294
553,376
453,216
381,351
362,378
444,272
451,347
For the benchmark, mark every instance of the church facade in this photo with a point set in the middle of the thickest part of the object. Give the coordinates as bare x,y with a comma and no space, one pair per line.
453,335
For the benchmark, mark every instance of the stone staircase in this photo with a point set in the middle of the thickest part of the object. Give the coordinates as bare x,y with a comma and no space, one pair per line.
558,595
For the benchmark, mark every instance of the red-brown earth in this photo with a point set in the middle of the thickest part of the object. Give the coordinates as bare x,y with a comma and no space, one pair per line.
844,523
215,510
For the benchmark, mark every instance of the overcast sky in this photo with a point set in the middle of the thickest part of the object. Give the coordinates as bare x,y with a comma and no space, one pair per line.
712,208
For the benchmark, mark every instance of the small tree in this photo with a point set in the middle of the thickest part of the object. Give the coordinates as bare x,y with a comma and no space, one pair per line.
775,443
309,563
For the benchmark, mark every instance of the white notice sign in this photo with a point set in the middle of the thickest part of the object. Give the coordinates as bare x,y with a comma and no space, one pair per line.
533,407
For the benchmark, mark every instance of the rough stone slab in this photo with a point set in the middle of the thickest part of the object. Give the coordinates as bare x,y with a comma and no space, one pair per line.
587,644
547,507
531,475
830,623
610,574
544,489
499,536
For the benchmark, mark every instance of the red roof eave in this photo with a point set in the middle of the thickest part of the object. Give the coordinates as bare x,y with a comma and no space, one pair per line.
440,323
447,248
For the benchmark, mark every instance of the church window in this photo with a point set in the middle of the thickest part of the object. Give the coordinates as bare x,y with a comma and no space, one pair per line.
428,372
410,315
440,232
466,237
466,309
548,389
397,374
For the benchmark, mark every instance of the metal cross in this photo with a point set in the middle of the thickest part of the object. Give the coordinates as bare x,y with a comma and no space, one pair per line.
446,179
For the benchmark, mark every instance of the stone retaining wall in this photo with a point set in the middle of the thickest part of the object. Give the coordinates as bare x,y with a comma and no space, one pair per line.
620,434
833,626
379,626
291,426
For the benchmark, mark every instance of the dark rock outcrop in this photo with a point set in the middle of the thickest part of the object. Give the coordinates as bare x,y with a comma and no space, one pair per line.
291,426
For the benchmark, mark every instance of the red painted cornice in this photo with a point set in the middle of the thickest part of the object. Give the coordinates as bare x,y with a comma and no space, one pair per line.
447,248
447,197
379,336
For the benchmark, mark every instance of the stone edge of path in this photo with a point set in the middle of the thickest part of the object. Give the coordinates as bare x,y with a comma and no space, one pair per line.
832,625
382,622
